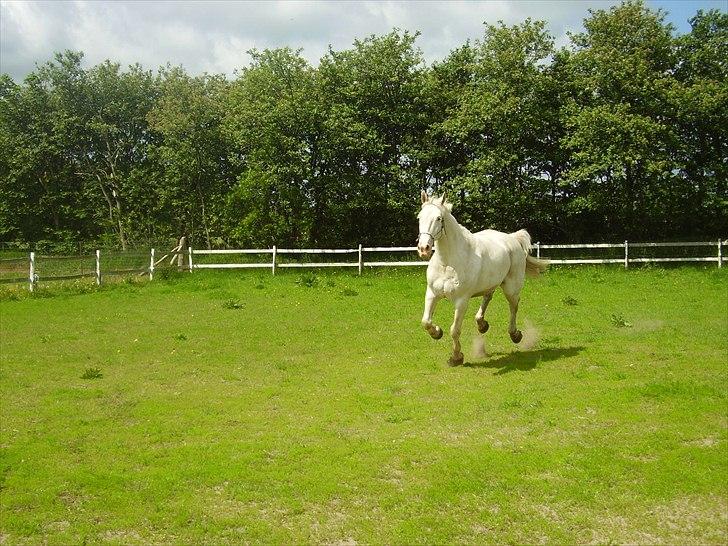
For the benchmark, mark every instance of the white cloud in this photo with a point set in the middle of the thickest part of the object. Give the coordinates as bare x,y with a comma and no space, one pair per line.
214,36
227,52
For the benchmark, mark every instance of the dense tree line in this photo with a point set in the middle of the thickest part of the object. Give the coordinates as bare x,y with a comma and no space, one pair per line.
621,134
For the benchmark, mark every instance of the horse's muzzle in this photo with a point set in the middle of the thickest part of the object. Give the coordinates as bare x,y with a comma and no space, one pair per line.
424,246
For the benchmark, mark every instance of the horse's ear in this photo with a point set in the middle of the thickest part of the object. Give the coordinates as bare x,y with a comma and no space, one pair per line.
423,196
444,202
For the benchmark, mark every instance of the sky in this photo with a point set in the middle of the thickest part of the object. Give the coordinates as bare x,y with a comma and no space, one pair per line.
214,36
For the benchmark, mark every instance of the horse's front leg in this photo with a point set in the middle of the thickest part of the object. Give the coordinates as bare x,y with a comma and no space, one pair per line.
430,303
461,307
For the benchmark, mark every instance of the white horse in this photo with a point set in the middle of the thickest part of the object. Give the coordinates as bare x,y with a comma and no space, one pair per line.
466,265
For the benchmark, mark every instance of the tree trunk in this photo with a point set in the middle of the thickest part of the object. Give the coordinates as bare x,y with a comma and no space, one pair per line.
122,235
114,205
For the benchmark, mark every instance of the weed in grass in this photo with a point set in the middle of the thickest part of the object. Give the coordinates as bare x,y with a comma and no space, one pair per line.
169,274
510,404
568,300
597,276
309,280
92,373
9,295
41,292
232,304
349,292
180,337
619,321
398,418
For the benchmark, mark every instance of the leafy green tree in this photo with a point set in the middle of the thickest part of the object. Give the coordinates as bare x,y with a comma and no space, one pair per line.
698,100
376,115
443,155
42,198
620,134
192,154
507,120
113,158
619,129
269,125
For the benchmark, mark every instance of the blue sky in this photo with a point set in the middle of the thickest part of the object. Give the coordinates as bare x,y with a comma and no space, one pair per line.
680,11
214,36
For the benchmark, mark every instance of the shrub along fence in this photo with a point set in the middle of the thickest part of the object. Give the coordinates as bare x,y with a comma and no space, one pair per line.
33,268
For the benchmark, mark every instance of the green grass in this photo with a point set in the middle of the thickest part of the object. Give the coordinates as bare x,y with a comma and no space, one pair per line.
223,409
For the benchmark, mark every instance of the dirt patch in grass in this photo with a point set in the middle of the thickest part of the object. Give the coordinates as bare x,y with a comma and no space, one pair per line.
687,520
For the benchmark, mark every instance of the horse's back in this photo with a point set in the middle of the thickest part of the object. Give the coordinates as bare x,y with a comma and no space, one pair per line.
512,243
507,249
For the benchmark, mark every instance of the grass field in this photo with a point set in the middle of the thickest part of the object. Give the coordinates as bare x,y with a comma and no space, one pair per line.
244,408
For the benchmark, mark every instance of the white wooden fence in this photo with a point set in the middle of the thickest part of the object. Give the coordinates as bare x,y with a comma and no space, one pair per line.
357,259
275,263
718,257
360,262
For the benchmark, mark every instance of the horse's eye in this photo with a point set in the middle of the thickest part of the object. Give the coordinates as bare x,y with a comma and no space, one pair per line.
439,218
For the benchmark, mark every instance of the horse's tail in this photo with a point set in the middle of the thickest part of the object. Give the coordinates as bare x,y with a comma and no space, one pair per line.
534,266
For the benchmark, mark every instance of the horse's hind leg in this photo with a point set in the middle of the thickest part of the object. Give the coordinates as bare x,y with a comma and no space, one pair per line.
479,320
512,290
430,303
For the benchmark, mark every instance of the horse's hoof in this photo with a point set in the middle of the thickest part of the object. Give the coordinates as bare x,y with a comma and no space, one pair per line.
517,336
453,361
483,326
437,334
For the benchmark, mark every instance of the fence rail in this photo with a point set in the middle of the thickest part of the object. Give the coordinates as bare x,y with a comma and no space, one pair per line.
11,267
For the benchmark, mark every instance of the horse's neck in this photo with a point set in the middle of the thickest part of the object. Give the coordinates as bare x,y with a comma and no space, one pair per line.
450,247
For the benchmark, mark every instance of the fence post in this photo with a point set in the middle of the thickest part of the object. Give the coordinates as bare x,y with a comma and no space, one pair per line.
361,260
538,249
626,254
273,264
151,265
31,276
720,253
189,256
98,267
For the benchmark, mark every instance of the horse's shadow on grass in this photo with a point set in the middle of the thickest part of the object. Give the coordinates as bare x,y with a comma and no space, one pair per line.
524,361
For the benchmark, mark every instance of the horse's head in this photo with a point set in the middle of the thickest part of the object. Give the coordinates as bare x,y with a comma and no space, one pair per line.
432,223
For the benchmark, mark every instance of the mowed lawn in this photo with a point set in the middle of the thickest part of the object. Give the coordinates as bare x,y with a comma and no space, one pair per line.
312,408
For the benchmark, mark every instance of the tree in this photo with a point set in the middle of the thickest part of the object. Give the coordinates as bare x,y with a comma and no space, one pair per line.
698,101
376,115
42,198
192,153
113,156
269,122
507,120
444,155
618,121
